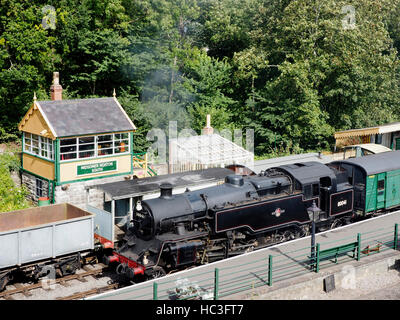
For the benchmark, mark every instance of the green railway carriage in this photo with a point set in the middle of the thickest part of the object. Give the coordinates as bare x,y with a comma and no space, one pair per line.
376,181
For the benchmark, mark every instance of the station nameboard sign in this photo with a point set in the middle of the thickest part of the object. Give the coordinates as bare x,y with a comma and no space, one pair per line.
97,167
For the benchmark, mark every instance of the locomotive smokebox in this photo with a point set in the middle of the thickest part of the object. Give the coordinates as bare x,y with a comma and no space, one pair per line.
166,190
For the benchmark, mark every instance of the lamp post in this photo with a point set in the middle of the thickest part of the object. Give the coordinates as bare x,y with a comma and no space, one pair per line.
311,213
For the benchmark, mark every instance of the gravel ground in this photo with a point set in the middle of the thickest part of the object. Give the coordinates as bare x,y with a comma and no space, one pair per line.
53,291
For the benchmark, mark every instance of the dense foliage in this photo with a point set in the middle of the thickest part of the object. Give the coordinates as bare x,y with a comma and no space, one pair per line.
294,71
11,196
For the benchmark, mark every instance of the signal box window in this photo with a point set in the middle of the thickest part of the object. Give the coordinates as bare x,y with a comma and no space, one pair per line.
39,188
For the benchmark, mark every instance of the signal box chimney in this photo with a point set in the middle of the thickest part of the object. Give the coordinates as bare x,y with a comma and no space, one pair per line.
56,88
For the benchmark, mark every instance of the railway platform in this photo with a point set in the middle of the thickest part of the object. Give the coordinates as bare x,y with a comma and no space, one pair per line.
282,270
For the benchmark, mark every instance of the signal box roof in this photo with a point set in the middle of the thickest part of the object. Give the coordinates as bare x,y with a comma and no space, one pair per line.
75,117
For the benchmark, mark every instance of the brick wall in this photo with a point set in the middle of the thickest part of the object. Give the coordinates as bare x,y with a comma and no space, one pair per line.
76,193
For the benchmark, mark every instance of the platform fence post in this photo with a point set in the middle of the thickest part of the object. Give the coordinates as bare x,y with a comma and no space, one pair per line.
317,260
155,289
216,283
270,270
358,246
396,234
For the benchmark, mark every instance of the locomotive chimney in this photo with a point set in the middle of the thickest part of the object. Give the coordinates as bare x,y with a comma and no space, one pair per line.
166,190
208,129
56,89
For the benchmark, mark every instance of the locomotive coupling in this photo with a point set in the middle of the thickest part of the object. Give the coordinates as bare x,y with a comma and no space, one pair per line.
107,260
129,273
123,269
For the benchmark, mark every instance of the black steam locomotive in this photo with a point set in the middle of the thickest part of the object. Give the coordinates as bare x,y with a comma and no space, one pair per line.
243,214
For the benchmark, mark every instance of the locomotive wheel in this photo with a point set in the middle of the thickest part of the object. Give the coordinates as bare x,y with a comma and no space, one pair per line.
337,223
301,232
279,238
284,236
289,235
158,272
3,283
306,230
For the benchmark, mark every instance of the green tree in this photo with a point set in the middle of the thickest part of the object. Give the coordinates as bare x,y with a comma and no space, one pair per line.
209,80
288,112
133,108
332,74
351,65
26,55
11,197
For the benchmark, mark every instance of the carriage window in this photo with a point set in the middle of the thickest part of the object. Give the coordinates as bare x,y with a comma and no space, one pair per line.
381,185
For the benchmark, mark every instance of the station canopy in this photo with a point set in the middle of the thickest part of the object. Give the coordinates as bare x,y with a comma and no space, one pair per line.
209,150
386,128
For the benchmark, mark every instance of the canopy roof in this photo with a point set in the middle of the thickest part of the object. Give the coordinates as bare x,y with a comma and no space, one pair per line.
208,149
390,127
372,147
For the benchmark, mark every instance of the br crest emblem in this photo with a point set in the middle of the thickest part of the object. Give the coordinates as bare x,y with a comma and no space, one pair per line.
278,212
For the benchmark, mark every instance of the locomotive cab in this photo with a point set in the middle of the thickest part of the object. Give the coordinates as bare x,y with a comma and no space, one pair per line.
327,185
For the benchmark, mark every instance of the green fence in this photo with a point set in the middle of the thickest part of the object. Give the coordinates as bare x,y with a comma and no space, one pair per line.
270,269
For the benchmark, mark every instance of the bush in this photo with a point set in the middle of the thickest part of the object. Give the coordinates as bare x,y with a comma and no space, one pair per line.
11,197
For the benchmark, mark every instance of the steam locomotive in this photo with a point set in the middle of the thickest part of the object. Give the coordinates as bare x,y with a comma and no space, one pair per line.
250,212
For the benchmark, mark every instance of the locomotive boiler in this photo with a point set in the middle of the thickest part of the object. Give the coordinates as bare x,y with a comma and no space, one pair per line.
243,214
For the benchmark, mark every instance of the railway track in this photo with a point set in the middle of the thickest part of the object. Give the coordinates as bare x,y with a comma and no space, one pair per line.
81,295
48,284
89,270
